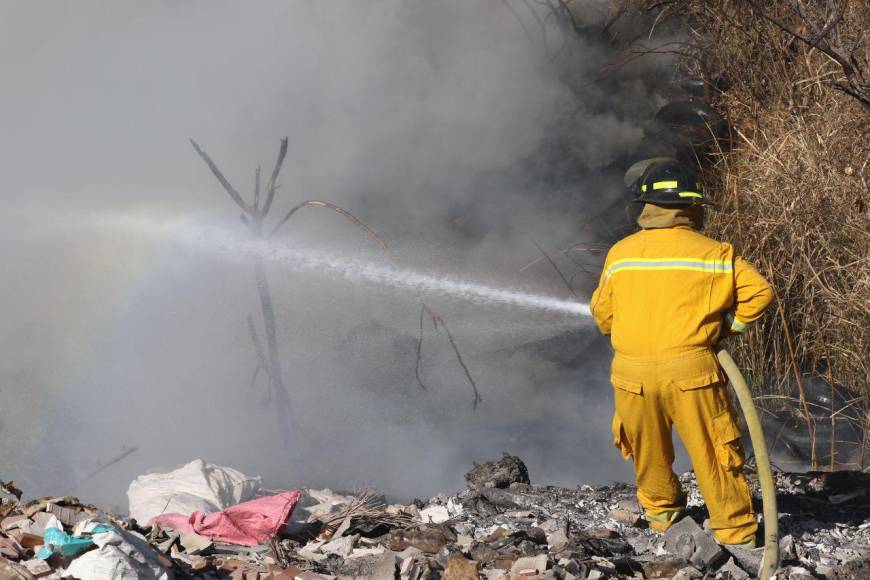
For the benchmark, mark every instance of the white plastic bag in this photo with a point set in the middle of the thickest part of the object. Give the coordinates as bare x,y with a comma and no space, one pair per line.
197,486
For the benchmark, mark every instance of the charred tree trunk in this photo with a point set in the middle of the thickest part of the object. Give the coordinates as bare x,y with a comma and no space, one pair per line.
276,374
269,361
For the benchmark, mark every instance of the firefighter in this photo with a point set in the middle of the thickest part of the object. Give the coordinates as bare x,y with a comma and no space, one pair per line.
667,295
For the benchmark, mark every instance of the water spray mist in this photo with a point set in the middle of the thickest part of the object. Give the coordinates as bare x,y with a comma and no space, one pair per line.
390,276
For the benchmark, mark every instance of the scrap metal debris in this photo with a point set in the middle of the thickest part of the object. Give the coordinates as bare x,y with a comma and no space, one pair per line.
500,527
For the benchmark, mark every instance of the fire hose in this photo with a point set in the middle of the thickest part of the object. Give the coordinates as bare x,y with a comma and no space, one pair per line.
770,559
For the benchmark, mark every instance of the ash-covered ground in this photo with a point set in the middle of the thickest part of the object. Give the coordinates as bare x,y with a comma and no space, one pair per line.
500,526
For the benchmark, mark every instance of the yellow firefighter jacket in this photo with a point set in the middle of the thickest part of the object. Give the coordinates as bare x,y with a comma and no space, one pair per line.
665,291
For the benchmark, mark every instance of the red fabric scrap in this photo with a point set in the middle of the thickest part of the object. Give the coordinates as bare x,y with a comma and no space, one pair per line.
247,524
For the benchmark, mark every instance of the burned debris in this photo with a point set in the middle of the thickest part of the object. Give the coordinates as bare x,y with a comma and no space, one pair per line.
500,527
502,473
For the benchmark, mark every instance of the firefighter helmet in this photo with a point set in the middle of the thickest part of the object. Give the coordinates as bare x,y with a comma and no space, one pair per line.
666,182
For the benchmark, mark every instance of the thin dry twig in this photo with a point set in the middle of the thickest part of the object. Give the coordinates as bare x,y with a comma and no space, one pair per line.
368,505
556,268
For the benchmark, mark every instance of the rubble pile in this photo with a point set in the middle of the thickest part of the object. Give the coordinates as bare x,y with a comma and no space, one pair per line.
500,527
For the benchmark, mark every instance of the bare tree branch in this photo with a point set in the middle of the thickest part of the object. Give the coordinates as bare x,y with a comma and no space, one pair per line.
618,12
556,268
418,365
836,16
271,186
477,398
257,189
235,195
255,339
356,221
856,84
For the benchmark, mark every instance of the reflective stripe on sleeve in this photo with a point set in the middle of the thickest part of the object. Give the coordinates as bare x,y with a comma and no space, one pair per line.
652,264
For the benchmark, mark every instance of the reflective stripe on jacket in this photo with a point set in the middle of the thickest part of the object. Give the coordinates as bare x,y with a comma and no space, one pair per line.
666,291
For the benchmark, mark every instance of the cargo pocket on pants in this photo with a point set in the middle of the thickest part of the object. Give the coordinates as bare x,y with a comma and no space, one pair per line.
619,438
729,448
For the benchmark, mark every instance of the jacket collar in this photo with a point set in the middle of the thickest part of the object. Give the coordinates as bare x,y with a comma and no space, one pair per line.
658,217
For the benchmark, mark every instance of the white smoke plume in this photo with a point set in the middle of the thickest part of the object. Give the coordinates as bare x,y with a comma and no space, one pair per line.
465,132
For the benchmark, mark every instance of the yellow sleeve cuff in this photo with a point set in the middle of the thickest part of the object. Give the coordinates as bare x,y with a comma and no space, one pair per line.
734,323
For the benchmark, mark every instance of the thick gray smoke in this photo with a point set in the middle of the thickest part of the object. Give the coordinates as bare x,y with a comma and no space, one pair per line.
465,132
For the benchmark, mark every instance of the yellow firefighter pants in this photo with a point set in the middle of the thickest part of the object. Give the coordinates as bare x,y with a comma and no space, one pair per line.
686,392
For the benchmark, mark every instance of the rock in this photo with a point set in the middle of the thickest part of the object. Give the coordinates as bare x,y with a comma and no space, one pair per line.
687,539
639,544
366,552
460,568
410,552
708,555
69,517
749,560
854,569
10,549
504,562
311,552
508,499
341,547
436,514
625,517
553,525
574,568
796,573
529,566
520,515
372,568
534,534
406,565
732,571
311,576
455,507
10,571
37,567
557,540
663,568
13,522
688,573
500,474
786,548
429,540
29,541
630,505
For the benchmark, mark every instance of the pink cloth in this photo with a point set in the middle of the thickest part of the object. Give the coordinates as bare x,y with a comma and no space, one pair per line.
246,524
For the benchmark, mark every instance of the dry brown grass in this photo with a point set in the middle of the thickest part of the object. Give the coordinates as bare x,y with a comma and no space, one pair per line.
792,186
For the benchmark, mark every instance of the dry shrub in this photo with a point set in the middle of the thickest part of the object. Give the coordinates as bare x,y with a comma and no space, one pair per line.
792,185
